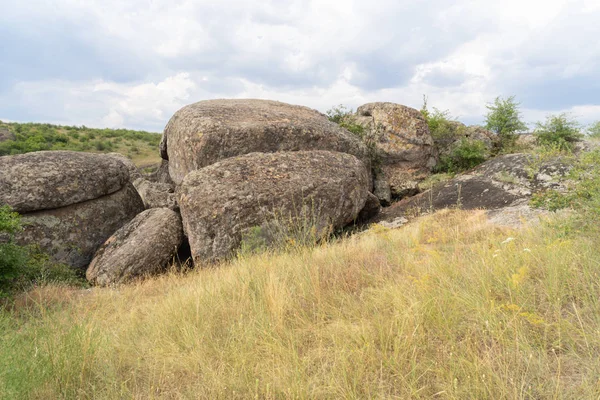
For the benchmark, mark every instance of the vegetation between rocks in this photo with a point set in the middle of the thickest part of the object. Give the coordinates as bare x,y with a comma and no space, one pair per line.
344,117
22,267
504,119
460,153
583,192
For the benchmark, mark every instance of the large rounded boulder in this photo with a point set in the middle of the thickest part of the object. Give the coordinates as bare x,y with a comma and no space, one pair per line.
206,132
220,202
403,142
142,247
51,179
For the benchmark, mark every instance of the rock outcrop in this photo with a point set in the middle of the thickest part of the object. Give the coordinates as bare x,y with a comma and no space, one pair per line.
206,132
142,247
403,142
51,179
72,234
504,181
220,201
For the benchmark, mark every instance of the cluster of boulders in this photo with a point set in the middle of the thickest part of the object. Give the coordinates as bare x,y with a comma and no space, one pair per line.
230,166
71,202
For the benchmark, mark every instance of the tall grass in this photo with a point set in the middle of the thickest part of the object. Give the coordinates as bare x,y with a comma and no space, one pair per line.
447,307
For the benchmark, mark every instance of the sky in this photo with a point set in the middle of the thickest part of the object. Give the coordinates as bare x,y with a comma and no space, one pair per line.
133,63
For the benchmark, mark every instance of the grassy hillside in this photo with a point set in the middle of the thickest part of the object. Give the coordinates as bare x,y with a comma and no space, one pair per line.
140,146
447,307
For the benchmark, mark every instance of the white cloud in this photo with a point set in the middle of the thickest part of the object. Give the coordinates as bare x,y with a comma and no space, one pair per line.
140,61
107,104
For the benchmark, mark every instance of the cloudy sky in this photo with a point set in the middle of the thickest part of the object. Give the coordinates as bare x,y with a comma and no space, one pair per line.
115,63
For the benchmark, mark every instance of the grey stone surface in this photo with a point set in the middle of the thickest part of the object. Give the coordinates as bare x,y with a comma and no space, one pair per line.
220,201
142,247
156,195
403,143
203,133
72,234
501,182
51,179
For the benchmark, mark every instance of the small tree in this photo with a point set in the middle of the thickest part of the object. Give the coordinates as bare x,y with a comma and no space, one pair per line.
504,119
594,130
559,130
442,125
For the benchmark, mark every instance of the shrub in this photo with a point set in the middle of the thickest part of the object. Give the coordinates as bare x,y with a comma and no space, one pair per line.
100,146
558,130
444,128
13,258
504,119
466,155
594,130
20,266
584,193
345,118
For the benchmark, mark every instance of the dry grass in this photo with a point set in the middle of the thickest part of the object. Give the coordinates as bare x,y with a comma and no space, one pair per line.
438,309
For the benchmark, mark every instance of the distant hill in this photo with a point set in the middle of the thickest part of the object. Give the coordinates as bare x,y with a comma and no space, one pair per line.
140,146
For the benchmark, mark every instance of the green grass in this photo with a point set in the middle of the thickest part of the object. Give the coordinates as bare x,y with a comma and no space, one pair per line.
445,307
140,146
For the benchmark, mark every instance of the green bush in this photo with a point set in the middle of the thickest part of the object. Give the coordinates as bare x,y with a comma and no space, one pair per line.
466,155
594,130
504,119
559,130
444,128
13,258
583,194
345,118
22,266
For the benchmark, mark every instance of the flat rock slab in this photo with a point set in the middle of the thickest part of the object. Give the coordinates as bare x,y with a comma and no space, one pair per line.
72,234
222,200
51,179
203,133
142,247
501,182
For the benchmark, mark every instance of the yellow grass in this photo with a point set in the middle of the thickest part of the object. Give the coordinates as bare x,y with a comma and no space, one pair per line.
441,308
